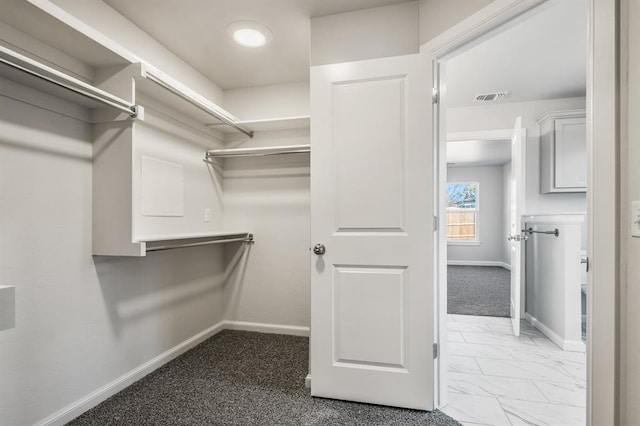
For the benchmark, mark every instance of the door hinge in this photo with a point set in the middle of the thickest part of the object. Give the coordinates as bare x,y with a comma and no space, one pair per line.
435,223
434,95
435,351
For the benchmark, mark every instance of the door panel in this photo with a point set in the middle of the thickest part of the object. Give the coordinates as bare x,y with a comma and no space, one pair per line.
378,106
372,306
370,332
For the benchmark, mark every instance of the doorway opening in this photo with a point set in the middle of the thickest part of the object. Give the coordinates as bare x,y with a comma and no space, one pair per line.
511,250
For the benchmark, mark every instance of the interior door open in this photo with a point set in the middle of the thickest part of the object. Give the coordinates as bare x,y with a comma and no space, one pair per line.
372,288
515,237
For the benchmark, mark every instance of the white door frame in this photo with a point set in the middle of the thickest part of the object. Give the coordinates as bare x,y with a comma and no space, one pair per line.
602,199
441,238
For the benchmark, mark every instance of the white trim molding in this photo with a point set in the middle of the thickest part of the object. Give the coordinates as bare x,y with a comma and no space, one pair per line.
565,345
479,263
89,401
259,327
86,403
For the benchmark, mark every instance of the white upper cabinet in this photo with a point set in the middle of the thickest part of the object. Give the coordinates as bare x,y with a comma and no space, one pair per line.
563,152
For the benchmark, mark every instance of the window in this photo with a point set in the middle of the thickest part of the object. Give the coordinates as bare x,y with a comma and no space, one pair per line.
462,212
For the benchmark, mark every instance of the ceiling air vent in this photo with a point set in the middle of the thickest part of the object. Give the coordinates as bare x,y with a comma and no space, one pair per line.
490,97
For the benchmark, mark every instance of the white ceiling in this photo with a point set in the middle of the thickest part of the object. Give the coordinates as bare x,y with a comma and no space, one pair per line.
195,30
474,153
540,57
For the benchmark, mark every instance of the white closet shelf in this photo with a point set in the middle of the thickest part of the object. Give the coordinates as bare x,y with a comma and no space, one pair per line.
50,24
159,86
269,124
173,241
26,71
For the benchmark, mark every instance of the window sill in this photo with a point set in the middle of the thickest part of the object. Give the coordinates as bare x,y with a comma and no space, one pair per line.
463,243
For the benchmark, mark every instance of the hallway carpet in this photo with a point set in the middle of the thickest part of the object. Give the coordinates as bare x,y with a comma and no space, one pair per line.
478,290
242,378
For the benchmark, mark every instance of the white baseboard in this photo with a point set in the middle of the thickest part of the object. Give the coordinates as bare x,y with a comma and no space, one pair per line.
72,411
565,345
478,263
307,381
267,328
75,409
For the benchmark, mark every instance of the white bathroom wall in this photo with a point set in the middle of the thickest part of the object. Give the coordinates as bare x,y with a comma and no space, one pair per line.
502,116
490,217
81,322
365,34
553,295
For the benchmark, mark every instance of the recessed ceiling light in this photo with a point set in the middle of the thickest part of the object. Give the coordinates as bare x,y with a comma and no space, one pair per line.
249,34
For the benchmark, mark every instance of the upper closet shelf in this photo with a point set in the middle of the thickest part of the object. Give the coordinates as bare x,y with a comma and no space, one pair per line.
24,70
80,47
159,86
270,124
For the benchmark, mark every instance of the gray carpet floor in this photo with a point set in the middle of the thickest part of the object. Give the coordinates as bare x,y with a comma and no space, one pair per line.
242,378
478,290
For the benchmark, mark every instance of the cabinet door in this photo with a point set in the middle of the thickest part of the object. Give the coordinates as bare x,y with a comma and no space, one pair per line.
570,153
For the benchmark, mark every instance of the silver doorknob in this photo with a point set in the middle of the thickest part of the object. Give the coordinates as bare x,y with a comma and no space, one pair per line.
319,249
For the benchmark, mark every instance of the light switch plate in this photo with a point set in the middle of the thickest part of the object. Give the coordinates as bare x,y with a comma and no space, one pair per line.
635,219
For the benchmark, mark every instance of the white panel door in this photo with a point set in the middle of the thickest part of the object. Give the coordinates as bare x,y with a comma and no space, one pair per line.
372,297
515,218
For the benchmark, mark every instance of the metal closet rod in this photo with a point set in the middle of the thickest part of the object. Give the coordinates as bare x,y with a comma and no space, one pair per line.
217,240
257,152
195,102
50,75
530,231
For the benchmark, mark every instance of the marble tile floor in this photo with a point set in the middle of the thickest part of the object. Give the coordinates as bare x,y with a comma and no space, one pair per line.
498,379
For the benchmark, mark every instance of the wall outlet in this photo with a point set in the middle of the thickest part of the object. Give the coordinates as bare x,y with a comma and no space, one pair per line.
207,214
635,219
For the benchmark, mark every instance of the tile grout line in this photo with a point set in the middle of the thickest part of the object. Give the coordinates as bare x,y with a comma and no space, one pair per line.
505,412
544,395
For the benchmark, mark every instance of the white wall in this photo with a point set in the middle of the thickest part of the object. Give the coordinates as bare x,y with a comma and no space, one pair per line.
490,217
269,196
266,102
366,34
502,116
81,321
553,272
103,18
437,16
